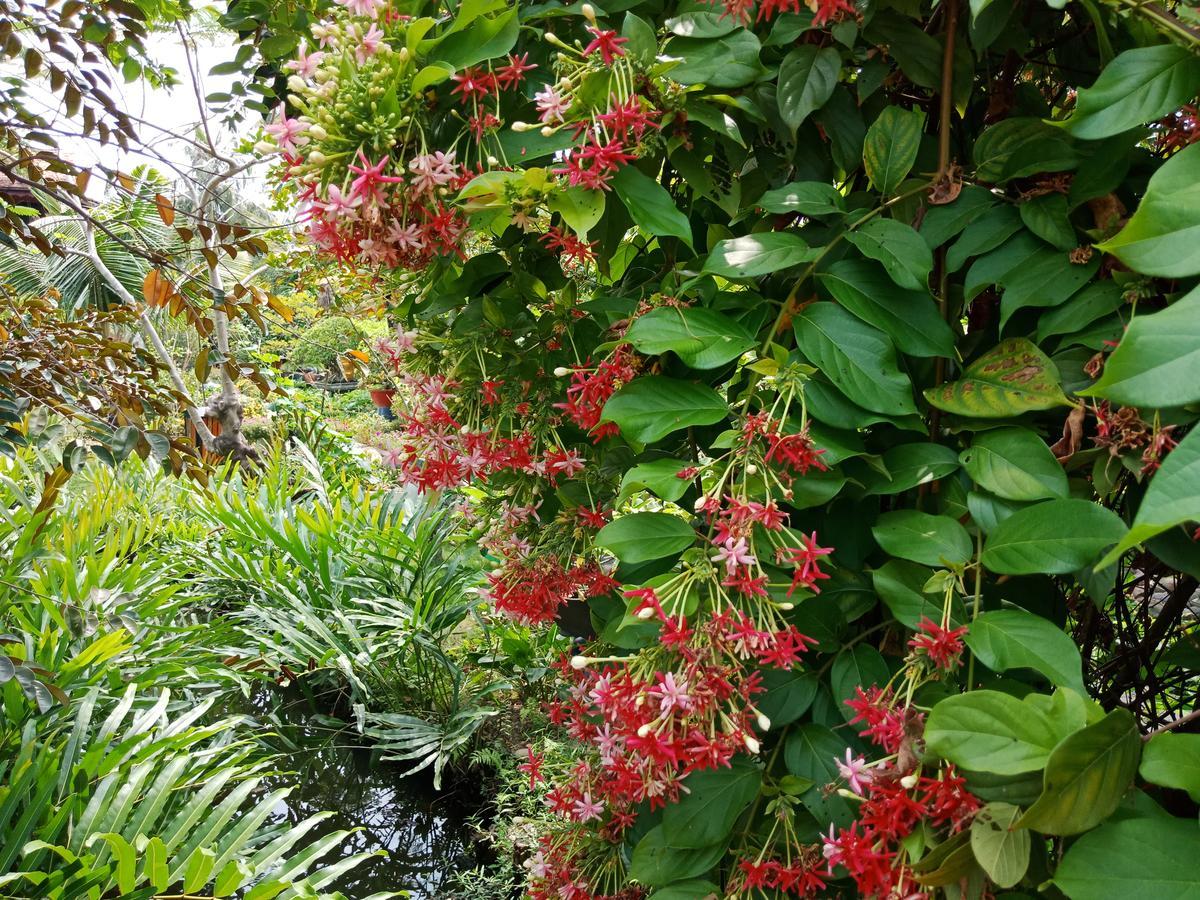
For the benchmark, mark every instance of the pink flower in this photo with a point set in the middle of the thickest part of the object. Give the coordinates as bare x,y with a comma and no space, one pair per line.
368,44
734,554
406,237
288,133
551,106
406,341
339,205
855,770
363,7
671,693
432,171
586,809
305,65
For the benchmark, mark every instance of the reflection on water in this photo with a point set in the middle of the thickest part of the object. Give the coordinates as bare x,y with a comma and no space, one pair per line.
425,833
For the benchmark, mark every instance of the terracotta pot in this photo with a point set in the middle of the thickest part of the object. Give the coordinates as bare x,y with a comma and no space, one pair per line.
383,398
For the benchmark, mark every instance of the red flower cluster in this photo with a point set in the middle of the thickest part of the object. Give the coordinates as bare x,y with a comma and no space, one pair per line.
943,647
475,84
888,726
572,248
532,591
800,878
590,389
893,807
823,11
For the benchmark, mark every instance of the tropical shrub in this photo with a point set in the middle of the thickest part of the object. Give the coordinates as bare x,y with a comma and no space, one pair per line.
320,345
843,357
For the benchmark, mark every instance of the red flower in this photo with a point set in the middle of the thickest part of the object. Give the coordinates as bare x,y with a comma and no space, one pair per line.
532,767
512,74
607,42
473,83
942,646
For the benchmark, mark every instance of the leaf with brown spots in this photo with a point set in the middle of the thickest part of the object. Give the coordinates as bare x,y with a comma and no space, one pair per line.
1012,378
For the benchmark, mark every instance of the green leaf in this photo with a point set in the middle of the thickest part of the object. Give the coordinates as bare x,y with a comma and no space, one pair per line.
126,859
987,731
154,866
701,338
890,147
807,77
650,206
858,665
199,867
1016,464
232,876
1086,776
1045,278
687,890
1012,378
1017,147
1134,859
948,220
1093,302
1162,237
910,318
758,254
1140,85
728,61
983,235
648,409
902,251
809,198
579,207
1014,639
643,42
858,359
923,538
1172,498
900,585
1001,849
909,465
657,861
644,536
1172,760
811,752
716,798
485,39
1047,217
1057,537
789,694
659,477
1157,362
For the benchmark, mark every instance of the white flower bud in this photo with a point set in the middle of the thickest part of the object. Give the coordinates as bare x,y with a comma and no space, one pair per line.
646,613
752,469
492,161
579,663
547,131
764,724
752,744
908,782
701,502
785,606
561,372
317,132
316,158
296,83
265,147
644,730
589,12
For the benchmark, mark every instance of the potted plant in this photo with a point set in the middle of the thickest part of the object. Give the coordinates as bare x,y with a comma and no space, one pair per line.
382,389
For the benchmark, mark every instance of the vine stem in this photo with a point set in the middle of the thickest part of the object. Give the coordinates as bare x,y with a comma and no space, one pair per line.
1176,723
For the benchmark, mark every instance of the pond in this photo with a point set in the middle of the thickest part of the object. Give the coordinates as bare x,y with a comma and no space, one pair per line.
427,834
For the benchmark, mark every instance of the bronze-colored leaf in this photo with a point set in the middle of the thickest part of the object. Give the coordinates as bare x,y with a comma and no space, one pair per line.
156,289
166,209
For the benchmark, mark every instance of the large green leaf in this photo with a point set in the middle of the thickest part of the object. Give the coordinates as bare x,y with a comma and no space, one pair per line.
579,207
1014,639
1086,776
1014,463
923,538
890,147
648,409
1172,498
715,798
650,206
789,694
1173,760
644,536
1000,848
1157,362
809,198
1144,858
807,77
903,252
1162,237
1140,85
811,752
900,584
484,39
909,465
657,861
858,359
1012,378
758,254
728,61
910,318
702,338
659,476
1017,147
987,731
1057,537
